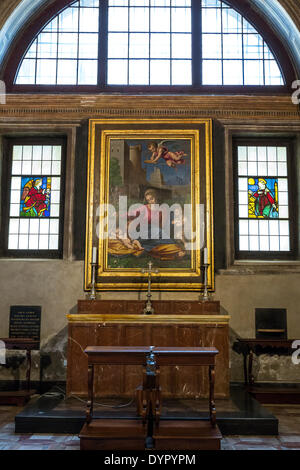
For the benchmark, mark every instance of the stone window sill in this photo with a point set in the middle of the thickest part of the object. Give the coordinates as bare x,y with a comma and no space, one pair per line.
250,267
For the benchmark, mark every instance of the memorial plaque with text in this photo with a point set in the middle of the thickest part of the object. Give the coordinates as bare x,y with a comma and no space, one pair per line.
25,322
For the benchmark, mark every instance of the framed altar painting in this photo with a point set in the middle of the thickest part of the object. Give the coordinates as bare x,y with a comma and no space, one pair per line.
149,200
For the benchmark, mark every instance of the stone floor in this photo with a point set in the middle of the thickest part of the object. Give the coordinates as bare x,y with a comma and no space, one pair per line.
288,439
11,441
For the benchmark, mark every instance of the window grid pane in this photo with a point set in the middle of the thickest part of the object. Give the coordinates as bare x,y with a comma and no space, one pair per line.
66,51
233,52
35,197
263,199
147,43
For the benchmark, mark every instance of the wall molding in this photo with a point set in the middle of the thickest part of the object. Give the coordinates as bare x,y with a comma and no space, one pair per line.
80,107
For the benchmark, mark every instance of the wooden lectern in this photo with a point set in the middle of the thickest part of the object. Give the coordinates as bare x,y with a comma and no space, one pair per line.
148,431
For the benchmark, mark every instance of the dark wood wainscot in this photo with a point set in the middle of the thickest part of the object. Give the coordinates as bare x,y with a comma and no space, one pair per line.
174,324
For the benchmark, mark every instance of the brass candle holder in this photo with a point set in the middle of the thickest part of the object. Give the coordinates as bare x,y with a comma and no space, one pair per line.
205,294
149,310
92,294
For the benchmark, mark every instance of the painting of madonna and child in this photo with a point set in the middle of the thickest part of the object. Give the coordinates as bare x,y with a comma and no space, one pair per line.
150,197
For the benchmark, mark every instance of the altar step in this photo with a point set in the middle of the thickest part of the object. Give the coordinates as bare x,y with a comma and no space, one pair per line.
187,435
241,414
113,434
275,395
123,434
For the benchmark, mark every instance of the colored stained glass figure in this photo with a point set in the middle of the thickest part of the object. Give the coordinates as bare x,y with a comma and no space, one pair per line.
35,197
263,198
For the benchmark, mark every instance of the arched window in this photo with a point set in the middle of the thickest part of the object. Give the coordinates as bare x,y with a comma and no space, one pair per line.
66,50
233,52
112,44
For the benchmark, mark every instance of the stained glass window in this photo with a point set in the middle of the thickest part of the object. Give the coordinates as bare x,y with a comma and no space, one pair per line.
263,198
148,43
35,197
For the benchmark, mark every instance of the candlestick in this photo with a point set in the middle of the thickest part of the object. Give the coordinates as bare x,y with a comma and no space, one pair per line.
92,294
205,295
205,256
94,259
148,310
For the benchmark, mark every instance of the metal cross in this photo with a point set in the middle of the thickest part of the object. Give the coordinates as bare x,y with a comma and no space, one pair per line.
149,270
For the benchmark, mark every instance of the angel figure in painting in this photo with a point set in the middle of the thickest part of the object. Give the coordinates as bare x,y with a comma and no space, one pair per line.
160,150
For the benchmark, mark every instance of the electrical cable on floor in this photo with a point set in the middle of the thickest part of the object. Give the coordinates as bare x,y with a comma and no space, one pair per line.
105,405
53,395
62,392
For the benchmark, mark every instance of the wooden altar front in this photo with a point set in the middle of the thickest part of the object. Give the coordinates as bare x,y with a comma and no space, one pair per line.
174,324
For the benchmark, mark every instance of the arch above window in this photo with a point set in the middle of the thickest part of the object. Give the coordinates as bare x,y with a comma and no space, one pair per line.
151,44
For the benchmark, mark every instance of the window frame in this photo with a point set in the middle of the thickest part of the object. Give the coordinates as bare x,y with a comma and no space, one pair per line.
289,143
8,144
283,60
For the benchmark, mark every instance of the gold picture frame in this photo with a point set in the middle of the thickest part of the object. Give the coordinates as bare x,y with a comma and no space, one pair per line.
168,160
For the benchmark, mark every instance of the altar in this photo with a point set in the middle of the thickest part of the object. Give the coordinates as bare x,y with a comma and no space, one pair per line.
174,324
